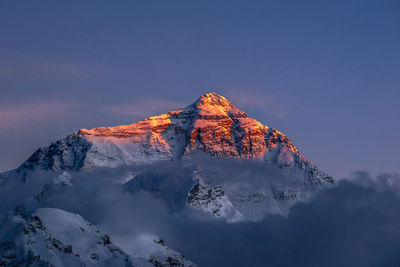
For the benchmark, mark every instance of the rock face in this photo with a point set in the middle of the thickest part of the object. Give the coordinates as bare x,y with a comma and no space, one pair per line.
65,154
211,200
211,125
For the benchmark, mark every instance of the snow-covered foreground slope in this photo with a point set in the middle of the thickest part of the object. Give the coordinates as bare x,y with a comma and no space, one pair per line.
53,237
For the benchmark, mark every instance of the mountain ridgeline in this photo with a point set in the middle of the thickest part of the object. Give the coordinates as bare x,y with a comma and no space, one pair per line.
212,125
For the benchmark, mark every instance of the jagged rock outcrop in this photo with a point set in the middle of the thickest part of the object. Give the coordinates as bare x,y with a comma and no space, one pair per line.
211,200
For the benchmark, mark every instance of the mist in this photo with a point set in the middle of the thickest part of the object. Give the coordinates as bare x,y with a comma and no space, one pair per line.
352,223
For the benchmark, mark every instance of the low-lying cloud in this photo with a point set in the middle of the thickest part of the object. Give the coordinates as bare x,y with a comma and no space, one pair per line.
145,107
267,103
354,223
38,68
24,114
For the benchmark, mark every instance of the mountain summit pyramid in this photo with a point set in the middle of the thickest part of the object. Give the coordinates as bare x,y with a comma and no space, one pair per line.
211,124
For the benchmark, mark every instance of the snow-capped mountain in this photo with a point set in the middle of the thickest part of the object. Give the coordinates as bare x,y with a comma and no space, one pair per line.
208,158
53,237
212,125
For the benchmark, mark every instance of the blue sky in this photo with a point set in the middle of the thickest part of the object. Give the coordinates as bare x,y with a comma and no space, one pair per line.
326,73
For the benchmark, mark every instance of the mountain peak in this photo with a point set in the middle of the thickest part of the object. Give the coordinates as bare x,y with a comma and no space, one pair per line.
214,98
211,125
215,104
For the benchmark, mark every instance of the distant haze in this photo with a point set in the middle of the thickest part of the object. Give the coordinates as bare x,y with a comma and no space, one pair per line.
324,73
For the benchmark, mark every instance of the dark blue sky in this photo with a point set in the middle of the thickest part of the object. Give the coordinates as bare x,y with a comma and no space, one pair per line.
326,73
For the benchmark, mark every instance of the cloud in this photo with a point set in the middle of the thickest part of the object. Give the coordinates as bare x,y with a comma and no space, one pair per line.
23,114
146,106
39,68
14,191
352,224
246,99
268,103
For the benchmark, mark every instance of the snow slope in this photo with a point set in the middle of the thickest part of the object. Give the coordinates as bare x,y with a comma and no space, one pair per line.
53,237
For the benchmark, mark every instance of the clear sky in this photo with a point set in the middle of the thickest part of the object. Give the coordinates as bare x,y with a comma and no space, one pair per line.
326,73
